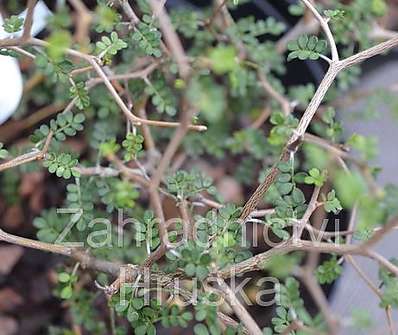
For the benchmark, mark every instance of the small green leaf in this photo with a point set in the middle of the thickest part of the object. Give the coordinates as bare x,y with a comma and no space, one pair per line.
306,47
200,329
328,271
332,204
66,292
79,92
13,24
223,59
315,177
63,277
58,42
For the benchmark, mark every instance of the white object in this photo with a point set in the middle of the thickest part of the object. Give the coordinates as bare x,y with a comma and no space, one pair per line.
11,84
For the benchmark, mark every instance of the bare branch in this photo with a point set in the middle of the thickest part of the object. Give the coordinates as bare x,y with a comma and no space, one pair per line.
239,310
30,156
172,39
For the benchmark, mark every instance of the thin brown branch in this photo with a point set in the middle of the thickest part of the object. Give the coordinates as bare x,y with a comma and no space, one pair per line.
129,12
239,310
219,6
141,73
188,227
28,157
129,115
379,234
368,53
320,299
83,20
146,132
172,40
273,93
312,206
254,263
390,321
363,275
97,171
264,115
28,243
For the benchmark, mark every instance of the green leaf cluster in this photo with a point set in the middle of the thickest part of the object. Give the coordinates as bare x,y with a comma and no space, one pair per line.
79,92
175,317
389,283
331,203
148,37
185,184
58,42
306,47
110,46
13,24
315,177
283,127
132,145
66,124
66,281
206,314
106,18
63,165
209,96
148,231
109,148
116,193
328,271
162,97
80,197
193,259
50,224
54,70
140,315
186,21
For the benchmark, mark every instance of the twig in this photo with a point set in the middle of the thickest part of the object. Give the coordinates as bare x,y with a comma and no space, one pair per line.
273,93
254,262
188,227
142,73
25,242
390,322
146,132
265,114
23,52
97,171
171,149
28,157
129,12
363,275
312,206
239,310
130,116
172,40
319,297
83,20
215,12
